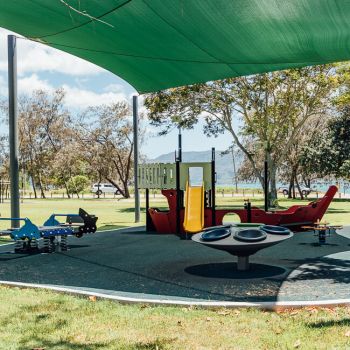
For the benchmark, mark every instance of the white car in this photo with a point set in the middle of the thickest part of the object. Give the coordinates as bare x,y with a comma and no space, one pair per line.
304,190
99,189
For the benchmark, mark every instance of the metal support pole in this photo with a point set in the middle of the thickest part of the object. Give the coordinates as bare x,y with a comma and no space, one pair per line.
13,128
178,200
180,146
213,191
249,211
243,263
148,219
136,157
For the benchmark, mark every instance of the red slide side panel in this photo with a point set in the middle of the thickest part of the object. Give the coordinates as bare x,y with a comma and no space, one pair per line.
293,217
165,220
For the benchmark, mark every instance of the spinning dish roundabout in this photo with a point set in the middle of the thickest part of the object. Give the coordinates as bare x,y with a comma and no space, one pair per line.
242,242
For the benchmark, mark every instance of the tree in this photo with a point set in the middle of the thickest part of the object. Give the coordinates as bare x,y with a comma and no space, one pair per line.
274,107
4,166
67,163
295,170
330,149
54,150
77,184
43,131
106,144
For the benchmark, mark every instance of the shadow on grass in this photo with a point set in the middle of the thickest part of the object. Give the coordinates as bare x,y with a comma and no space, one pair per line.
345,200
130,210
158,344
143,210
330,323
337,211
36,342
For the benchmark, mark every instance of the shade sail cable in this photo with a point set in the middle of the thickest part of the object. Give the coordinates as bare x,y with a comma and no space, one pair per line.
87,22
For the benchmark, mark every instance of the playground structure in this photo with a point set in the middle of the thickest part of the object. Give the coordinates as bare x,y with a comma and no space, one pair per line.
191,205
199,210
53,231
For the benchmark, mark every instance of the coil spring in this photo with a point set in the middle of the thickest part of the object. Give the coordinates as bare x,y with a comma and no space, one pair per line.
33,244
48,245
19,246
64,243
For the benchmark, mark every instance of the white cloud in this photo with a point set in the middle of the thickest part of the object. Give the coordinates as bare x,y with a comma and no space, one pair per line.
76,98
28,84
114,88
34,57
79,98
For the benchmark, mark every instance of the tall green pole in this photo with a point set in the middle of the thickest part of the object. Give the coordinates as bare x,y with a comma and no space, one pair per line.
136,157
13,128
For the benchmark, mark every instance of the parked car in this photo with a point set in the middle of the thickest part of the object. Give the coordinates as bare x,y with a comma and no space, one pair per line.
99,189
285,190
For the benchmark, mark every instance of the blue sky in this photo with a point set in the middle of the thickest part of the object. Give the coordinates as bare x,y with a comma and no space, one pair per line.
40,67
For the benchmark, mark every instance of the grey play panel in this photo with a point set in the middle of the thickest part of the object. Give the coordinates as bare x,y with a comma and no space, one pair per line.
135,263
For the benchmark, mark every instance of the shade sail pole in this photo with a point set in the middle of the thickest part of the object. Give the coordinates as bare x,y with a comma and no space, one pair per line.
136,157
179,156
13,128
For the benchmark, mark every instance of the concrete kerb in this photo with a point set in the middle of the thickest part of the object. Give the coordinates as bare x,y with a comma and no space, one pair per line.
167,301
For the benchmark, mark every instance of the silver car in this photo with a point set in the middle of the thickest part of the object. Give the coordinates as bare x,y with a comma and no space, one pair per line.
99,189
285,190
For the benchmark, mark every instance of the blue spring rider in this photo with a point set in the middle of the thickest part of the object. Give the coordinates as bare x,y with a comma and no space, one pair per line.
26,236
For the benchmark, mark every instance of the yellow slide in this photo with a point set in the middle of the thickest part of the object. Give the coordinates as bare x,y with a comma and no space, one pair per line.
194,208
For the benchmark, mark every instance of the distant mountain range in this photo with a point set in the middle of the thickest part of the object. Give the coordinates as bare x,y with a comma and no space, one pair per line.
224,163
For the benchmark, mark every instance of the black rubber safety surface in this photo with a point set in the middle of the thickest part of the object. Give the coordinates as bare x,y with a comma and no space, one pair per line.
135,261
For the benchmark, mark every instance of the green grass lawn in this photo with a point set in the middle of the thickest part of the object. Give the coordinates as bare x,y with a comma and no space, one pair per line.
35,319
115,213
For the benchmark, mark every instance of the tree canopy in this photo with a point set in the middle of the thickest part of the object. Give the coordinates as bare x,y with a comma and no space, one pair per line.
265,114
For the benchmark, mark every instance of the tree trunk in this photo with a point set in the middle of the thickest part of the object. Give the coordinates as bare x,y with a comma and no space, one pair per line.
123,191
66,187
126,189
299,190
291,185
33,186
99,184
272,180
293,190
273,186
42,192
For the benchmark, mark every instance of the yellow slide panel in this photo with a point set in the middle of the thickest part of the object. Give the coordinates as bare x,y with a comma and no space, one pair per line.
194,209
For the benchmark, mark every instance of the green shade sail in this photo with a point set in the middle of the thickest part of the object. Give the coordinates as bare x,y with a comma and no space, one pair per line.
157,44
